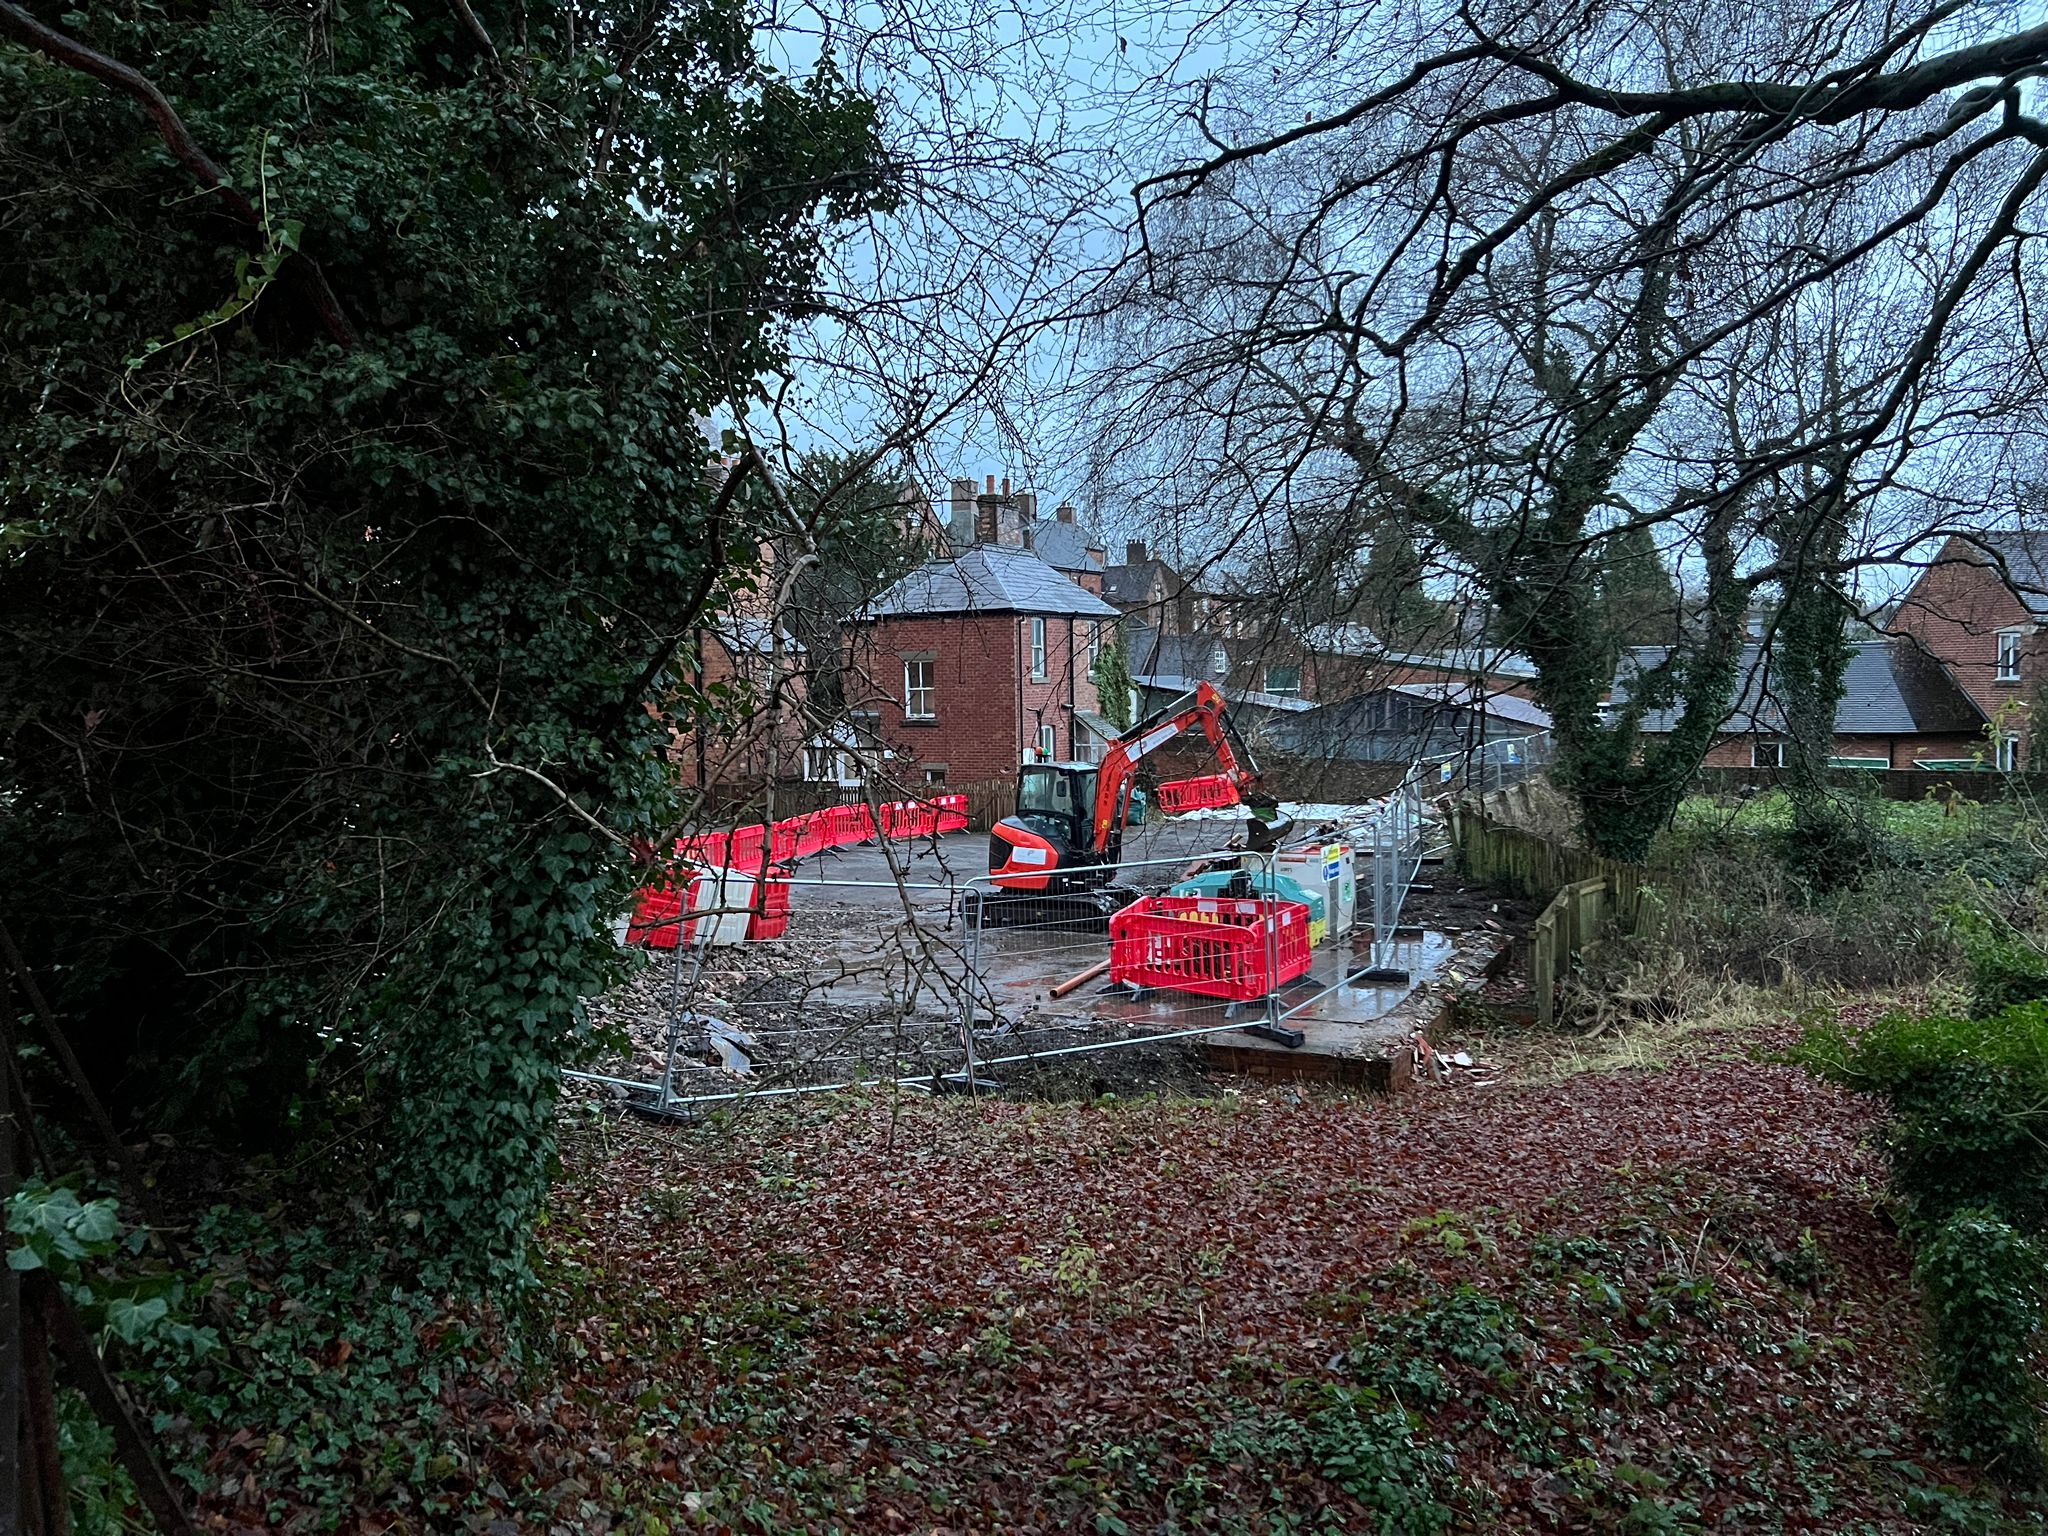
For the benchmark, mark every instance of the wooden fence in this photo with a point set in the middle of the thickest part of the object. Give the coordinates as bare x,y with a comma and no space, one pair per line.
1588,896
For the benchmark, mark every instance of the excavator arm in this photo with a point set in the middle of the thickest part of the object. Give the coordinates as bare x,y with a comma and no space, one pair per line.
1205,708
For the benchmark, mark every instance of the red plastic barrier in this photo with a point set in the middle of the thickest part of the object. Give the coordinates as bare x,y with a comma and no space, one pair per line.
852,824
1213,946
657,910
909,818
816,836
746,848
704,848
1203,794
952,813
771,919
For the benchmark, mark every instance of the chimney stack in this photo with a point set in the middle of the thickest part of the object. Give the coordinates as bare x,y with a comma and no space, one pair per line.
1027,505
1134,552
1064,511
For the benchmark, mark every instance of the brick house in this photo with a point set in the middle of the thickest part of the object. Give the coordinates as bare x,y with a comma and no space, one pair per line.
1010,519
1980,607
740,650
1901,707
1151,593
1278,666
967,668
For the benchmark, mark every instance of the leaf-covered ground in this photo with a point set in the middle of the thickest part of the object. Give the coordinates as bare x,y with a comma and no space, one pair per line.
1635,1302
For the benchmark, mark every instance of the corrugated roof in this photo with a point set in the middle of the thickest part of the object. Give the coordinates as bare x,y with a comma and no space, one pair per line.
988,578
1478,663
1892,688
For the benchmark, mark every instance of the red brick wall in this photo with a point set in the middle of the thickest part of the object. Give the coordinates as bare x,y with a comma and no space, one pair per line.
1902,751
988,707
741,755
1956,610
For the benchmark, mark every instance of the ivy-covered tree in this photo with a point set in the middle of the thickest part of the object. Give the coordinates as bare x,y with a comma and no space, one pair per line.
358,486
1638,596
1112,677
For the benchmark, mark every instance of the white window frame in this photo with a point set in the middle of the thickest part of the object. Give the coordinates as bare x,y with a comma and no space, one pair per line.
2008,753
2009,641
1048,743
1094,645
928,688
1038,651
1775,745
1282,693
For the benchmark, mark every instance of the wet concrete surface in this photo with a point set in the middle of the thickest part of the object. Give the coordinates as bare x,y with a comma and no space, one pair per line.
928,955
935,869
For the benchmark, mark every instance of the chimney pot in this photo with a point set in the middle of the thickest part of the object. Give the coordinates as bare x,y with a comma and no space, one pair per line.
1006,485
991,485
1134,552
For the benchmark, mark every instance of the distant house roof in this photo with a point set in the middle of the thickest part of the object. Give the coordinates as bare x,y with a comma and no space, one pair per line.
1335,639
1168,682
1195,655
1479,662
2024,553
1467,695
1132,583
1892,688
1065,546
988,578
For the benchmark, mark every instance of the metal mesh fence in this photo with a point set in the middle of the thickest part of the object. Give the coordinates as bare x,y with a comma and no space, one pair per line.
900,965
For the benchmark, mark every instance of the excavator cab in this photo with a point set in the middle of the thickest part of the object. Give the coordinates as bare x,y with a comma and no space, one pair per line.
1052,830
1066,840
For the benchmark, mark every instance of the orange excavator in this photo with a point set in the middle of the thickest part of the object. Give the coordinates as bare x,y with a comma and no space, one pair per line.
1066,840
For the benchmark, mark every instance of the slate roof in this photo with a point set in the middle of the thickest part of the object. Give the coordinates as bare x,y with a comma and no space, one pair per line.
2025,555
1168,682
1502,706
1892,688
1195,656
1132,582
1065,546
988,578
1337,639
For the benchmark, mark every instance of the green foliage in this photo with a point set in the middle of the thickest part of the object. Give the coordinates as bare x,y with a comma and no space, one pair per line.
1638,598
856,527
1964,1092
1833,842
322,655
121,1299
1984,1282
1968,1158
90,1252
329,1347
2007,967
1112,678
